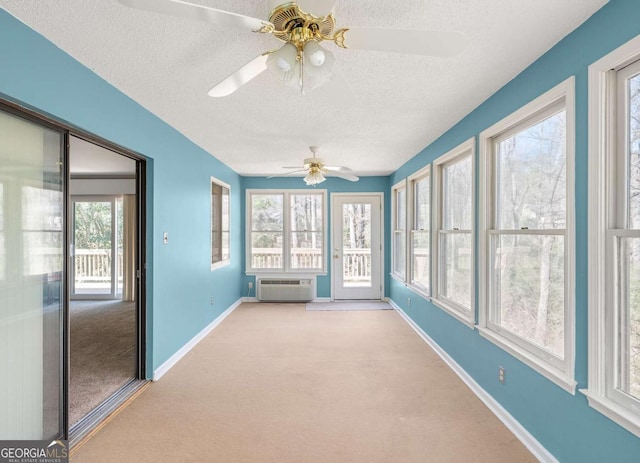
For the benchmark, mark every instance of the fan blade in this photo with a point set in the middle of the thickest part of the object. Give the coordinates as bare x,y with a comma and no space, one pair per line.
287,173
200,12
318,8
430,43
240,77
337,168
344,175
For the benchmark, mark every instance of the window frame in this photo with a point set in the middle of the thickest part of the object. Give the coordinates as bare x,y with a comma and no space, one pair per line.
412,213
604,210
287,230
559,371
224,186
453,308
402,232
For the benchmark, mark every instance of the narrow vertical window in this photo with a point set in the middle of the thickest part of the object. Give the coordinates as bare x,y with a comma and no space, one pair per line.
220,251
528,234
307,231
420,261
399,231
454,260
267,230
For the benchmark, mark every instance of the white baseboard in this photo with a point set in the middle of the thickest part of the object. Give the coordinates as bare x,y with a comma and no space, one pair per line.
175,358
322,299
249,299
530,442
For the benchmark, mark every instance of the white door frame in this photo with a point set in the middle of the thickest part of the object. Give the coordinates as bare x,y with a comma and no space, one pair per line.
334,197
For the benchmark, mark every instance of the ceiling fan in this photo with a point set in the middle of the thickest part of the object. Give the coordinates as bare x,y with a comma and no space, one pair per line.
302,62
317,170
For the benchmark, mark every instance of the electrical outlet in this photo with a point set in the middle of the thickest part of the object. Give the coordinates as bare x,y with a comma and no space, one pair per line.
212,300
501,374
251,285
165,238
409,301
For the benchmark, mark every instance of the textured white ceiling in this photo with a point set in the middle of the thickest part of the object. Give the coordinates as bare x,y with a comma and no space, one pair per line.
397,105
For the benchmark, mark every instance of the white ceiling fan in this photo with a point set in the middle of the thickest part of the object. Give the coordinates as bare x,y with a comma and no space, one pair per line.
316,170
302,62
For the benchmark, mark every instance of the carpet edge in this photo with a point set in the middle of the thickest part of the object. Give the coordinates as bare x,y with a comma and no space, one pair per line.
528,440
175,358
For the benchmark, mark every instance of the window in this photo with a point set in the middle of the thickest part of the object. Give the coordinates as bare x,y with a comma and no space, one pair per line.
220,254
286,231
420,200
614,236
399,211
453,262
527,234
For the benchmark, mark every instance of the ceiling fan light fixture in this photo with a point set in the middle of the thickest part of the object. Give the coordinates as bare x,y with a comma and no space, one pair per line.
283,60
314,53
321,61
313,177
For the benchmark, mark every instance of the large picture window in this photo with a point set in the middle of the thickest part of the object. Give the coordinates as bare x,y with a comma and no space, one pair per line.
453,244
527,164
220,210
286,231
614,236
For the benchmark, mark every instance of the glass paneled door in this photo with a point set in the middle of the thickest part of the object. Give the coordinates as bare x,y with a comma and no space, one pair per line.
97,247
356,247
32,245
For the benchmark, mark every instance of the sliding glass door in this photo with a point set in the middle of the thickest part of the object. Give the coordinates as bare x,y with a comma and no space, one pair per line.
32,245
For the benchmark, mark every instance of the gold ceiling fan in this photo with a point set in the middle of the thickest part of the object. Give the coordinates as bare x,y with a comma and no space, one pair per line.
316,170
302,62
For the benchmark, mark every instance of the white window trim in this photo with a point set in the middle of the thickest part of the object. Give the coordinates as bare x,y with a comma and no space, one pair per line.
544,363
402,184
411,213
602,142
224,262
468,148
286,231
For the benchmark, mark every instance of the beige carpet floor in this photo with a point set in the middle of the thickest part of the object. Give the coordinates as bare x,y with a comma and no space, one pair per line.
102,352
276,383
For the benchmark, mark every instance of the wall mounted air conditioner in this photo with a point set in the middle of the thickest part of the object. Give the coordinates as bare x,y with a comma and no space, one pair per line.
285,290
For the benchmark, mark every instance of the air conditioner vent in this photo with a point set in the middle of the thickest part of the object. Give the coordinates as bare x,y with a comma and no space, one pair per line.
285,290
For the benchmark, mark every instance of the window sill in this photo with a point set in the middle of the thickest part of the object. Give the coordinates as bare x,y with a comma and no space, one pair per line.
398,278
285,273
220,264
553,374
614,411
420,291
454,312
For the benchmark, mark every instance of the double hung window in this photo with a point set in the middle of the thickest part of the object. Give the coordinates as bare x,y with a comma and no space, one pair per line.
614,236
453,241
527,162
420,237
399,212
220,251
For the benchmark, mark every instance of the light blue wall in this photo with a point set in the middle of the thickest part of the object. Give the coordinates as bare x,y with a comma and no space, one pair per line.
332,185
563,423
35,73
